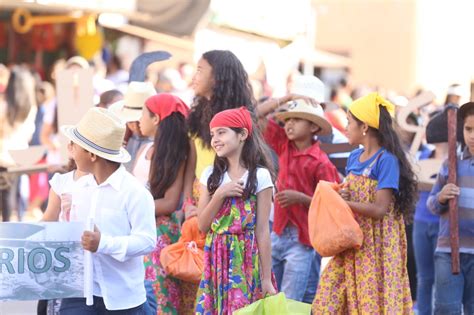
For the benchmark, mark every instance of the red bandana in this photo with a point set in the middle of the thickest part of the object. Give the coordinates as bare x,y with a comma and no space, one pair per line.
165,104
233,118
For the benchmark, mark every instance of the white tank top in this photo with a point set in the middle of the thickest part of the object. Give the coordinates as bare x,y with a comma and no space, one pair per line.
141,170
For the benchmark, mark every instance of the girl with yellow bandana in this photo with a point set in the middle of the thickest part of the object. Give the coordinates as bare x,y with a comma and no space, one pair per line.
381,190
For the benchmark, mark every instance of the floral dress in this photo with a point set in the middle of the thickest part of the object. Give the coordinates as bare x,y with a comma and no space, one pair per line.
166,288
374,278
231,278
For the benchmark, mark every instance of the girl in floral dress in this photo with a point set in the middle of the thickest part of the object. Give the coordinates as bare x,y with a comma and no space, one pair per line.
381,190
163,163
234,205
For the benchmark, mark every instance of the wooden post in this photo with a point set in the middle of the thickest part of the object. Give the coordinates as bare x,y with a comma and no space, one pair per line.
452,178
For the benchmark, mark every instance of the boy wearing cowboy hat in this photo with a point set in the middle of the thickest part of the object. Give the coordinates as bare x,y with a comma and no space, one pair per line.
302,164
129,110
122,210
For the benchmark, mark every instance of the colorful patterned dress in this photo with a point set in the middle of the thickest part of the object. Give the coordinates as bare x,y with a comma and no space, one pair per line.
166,288
231,278
374,278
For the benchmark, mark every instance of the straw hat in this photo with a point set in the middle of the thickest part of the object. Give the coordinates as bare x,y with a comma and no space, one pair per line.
99,132
310,86
130,108
315,114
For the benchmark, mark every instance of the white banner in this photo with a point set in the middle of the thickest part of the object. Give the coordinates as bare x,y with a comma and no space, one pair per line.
41,260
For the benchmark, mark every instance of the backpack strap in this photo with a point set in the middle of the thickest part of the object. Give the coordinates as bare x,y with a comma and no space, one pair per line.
369,168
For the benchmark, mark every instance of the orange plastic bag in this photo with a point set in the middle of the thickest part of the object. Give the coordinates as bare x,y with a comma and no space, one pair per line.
185,259
332,226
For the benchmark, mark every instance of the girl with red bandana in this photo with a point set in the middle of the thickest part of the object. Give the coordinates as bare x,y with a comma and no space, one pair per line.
234,206
160,165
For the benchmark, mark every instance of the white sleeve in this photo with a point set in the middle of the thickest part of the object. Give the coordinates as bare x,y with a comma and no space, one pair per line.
264,179
142,238
49,113
57,184
205,175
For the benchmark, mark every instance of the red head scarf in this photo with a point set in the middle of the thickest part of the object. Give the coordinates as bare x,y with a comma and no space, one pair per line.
233,118
165,104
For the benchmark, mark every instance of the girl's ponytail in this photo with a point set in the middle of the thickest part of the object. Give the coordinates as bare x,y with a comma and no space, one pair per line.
405,199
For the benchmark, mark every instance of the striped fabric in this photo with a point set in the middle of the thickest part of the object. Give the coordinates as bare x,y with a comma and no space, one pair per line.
465,173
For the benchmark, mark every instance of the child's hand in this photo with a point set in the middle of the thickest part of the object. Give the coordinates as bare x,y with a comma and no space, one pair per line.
91,240
268,288
309,100
448,192
232,189
288,197
344,192
65,202
190,211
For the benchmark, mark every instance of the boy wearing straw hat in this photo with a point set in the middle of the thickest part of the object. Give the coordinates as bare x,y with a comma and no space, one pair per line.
122,211
302,164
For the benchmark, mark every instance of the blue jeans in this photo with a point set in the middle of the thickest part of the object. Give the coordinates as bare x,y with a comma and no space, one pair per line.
425,236
77,306
313,279
452,292
150,305
291,263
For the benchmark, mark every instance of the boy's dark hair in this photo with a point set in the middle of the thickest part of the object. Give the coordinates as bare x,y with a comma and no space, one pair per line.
255,153
107,97
406,197
171,149
231,89
116,164
465,111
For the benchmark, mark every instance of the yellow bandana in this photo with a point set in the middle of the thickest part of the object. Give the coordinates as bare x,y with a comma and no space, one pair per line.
367,110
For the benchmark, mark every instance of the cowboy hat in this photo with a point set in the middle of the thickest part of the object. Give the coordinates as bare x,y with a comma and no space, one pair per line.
315,114
130,108
99,132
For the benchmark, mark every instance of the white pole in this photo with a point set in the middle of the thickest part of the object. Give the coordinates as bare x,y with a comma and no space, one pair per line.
88,262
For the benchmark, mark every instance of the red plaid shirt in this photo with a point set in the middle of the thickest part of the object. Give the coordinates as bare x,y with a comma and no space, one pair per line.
300,171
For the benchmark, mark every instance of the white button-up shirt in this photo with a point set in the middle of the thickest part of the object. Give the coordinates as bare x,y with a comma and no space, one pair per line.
125,216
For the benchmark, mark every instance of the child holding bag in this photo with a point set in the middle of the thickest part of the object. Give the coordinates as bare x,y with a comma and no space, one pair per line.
234,206
380,190
161,165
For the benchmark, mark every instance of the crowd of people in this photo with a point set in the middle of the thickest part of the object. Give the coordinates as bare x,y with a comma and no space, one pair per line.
152,155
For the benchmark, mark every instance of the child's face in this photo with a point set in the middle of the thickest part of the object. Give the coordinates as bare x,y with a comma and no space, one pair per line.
148,123
81,157
354,131
226,142
203,81
299,129
134,127
468,131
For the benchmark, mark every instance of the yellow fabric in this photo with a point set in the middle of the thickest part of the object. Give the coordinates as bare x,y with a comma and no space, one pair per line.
367,110
205,157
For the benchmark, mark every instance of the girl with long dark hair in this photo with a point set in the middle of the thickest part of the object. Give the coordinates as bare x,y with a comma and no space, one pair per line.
220,83
381,191
162,164
234,207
